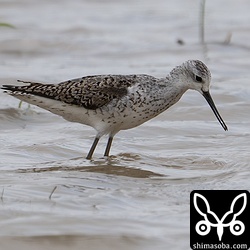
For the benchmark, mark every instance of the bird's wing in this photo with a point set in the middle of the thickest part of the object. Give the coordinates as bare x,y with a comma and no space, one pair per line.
91,92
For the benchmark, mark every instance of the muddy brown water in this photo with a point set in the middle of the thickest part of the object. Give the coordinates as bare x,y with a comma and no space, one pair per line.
139,197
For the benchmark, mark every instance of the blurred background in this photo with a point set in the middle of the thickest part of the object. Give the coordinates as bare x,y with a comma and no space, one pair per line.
139,197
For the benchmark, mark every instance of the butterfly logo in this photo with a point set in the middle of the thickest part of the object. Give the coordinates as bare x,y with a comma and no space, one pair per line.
203,227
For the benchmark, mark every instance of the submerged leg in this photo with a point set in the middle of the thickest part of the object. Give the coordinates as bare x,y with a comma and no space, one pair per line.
108,146
92,149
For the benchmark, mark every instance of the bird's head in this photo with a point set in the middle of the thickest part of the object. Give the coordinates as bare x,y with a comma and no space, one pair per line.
194,74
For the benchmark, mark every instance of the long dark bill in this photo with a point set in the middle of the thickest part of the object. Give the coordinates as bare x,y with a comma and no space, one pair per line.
213,107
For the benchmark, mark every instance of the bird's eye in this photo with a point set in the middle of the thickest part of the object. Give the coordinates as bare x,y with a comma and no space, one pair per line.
198,78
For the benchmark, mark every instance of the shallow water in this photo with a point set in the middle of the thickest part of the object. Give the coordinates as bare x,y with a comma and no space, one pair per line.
139,197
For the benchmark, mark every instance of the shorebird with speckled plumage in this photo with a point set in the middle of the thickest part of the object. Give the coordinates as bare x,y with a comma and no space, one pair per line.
110,103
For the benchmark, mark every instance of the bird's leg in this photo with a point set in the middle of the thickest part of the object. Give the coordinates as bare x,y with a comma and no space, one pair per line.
108,146
92,149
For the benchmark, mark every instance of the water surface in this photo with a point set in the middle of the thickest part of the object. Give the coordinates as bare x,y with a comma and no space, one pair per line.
139,197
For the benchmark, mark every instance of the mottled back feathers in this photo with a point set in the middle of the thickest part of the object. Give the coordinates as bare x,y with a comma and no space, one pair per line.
90,92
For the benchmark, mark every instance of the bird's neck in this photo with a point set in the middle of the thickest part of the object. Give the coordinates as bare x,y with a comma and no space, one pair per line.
174,88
